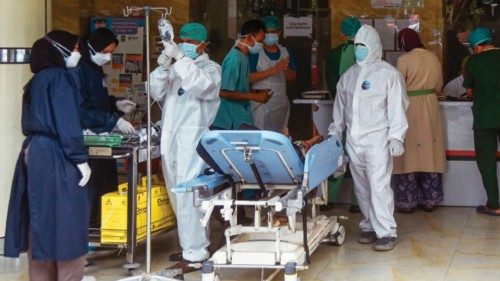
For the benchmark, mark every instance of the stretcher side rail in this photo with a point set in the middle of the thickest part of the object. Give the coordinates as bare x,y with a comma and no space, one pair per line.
272,153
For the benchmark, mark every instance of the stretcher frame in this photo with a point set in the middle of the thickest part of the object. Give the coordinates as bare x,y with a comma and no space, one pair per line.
290,247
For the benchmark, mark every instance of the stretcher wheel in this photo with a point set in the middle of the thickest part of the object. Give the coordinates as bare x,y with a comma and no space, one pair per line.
340,236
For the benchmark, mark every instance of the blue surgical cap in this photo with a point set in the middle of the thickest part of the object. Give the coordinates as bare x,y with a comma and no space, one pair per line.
271,22
349,26
479,35
193,31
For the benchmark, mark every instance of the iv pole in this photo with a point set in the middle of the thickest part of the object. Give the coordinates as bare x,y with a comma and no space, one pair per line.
147,11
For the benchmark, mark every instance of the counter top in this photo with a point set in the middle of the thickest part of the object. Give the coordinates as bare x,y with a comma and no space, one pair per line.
312,101
467,103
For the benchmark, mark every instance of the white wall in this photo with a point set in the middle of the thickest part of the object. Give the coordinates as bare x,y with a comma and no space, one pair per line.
22,22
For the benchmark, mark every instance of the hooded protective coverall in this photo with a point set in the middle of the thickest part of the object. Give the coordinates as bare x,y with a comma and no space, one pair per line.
370,105
190,91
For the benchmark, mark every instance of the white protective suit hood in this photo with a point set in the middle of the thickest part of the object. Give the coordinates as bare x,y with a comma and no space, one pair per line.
368,35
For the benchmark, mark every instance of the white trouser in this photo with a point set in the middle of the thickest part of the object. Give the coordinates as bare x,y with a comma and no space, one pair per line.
371,168
193,237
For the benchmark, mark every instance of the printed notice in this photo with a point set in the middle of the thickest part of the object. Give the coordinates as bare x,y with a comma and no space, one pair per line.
297,27
386,3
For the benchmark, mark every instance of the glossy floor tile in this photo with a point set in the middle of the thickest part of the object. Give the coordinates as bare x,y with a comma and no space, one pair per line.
452,243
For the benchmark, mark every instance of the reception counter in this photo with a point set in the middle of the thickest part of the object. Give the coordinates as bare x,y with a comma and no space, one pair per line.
462,182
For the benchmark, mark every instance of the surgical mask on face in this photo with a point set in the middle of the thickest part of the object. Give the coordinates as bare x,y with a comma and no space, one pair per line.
360,52
255,48
99,58
73,59
271,39
188,49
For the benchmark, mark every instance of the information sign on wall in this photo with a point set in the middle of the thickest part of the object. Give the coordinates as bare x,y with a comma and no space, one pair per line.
125,68
297,27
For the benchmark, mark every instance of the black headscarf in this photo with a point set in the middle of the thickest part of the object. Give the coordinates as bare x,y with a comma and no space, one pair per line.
99,39
102,37
45,55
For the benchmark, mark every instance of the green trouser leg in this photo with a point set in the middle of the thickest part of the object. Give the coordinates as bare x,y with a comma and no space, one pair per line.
485,143
334,187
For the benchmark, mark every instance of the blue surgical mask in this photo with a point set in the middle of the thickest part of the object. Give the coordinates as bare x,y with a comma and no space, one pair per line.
188,49
360,52
255,48
271,39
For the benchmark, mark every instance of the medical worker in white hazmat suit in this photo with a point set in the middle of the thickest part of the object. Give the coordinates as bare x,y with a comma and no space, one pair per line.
189,89
370,105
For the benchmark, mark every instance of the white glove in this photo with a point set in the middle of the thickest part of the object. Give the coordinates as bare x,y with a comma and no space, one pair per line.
125,127
125,106
164,61
332,131
396,148
172,50
85,171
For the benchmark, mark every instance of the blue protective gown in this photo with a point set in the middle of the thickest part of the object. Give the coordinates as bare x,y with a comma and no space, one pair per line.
46,198
99,112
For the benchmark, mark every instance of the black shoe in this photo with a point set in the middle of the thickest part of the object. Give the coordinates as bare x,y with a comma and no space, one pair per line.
385,243
177,256
177,270
327,207
354,209
367,237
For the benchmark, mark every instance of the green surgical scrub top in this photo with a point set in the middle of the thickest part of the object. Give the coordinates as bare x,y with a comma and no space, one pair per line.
482,75
235,77
338,61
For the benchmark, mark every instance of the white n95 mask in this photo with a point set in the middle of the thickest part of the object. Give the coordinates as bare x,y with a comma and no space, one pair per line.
99,58
73,59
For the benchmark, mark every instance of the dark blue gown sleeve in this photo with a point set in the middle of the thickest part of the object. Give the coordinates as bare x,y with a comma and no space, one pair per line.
65,111
92,118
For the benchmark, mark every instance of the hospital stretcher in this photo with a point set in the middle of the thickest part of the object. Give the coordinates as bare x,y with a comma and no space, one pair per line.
268,163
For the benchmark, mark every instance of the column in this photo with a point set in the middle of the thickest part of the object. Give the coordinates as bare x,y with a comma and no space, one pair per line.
22,22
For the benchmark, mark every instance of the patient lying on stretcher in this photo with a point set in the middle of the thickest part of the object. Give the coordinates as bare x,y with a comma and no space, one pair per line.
303,146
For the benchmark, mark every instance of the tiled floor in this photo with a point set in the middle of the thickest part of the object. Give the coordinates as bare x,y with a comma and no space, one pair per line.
450,244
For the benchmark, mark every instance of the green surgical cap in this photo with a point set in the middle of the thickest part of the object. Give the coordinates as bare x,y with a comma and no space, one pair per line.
478,36
349,26
193,31
271,22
